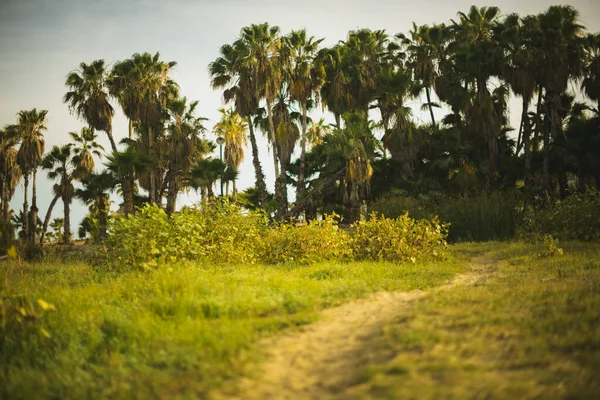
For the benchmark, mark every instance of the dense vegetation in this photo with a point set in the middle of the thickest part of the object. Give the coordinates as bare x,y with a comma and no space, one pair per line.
273,83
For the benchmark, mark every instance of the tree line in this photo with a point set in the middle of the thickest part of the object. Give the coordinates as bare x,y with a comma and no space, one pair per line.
273,83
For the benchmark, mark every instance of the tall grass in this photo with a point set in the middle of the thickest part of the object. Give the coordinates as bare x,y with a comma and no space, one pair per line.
485,217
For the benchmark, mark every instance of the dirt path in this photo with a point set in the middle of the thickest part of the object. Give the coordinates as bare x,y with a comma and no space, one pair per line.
322,360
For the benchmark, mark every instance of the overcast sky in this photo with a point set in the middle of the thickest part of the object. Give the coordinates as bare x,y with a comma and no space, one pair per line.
41,41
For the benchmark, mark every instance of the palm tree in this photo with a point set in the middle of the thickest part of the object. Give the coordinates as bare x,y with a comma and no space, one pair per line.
350,152
235,132
95,194
560,53
143,87
204,174
421,60
85,148
305,77
265,65
519,71
30,125
126,166
88,97
230,73
10,172
184,146
316,131
61,164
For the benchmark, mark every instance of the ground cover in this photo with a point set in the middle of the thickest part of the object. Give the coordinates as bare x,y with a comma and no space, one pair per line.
70,331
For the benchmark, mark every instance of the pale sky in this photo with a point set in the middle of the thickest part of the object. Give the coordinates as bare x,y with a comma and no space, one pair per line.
41,41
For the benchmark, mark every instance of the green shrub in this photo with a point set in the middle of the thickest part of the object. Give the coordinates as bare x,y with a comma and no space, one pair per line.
400,239
220,233
485,217
307,244
577,217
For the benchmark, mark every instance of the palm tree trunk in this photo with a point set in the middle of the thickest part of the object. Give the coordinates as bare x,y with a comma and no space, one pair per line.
130,129
337,120
429,104
5,197
47,219
301,188
113,145
234,188
102,218
527,144
25,208
152,190
281,192
34,209
538,120
67,227
546,160
127,187
172,195
520,138
261,187
273,139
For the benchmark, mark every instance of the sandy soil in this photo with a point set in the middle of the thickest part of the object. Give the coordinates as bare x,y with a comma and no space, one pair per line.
321,362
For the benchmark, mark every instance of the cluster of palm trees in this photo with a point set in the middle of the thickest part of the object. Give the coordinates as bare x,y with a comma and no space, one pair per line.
465,69
164,153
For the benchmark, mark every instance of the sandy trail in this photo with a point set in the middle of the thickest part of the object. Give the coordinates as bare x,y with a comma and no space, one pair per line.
322,361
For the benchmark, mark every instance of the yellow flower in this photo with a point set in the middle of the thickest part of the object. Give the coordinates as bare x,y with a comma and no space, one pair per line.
11,252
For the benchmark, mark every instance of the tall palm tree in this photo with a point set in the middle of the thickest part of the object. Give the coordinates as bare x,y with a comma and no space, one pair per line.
263,60
88,97
61,165
560,43
421,60
143,87
184,146
95,194
31,125
10,172
304,77
235,132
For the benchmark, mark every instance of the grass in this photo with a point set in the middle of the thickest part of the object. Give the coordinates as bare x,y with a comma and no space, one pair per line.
529,330
177,332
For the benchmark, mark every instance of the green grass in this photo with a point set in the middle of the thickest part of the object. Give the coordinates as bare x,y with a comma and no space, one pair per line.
176,332
529,330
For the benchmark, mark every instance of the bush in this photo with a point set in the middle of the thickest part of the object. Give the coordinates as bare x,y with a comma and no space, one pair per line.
485,217
317,241
223,233
577,217
401,239
220,233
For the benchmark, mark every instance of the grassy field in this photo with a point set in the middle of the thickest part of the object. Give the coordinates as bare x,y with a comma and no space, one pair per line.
530,329
179,331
